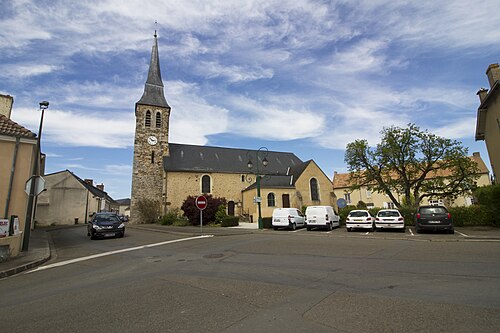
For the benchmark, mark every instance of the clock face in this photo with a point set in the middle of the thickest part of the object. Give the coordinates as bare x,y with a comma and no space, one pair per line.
152,140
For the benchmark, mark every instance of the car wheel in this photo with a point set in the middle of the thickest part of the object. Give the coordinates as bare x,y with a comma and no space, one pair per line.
293,226
329,227
308,228
92,236
275,228
122,234
452,231
418,230
348,229
403,230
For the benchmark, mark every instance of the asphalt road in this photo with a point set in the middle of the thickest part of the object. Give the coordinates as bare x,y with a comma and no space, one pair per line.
266,281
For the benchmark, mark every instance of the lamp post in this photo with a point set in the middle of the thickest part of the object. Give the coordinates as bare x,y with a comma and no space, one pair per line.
30,214
259,155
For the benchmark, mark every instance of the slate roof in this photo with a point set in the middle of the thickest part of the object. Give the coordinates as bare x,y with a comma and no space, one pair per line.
153,90
191,158
286,181
11,128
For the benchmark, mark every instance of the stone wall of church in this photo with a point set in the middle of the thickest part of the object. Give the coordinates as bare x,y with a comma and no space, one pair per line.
180,185
325,187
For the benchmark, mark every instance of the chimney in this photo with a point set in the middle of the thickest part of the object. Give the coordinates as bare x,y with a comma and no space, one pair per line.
493,73
482,93
100,187
89,181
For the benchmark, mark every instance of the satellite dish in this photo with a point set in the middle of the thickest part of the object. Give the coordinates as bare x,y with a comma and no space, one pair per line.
341,203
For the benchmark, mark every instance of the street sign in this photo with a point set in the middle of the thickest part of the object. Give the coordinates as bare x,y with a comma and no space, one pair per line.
257,199
341,203
39,185
201,202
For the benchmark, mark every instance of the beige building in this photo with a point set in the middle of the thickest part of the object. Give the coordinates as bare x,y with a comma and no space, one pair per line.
342,189
488,119
169,173
17,156
68,199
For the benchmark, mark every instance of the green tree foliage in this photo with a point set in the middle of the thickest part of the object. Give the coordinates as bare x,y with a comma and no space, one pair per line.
193,213
409,165
149,210
489,199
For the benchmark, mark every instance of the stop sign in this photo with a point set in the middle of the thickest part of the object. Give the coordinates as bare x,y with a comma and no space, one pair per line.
201,202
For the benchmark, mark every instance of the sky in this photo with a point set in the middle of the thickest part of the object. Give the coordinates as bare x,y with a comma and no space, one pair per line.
297,76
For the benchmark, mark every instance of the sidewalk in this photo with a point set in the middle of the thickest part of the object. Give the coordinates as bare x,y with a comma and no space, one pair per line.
38,253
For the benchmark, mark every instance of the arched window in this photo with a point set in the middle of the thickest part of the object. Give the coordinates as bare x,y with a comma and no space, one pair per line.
271,202
147,121
205,184
313,183
158,119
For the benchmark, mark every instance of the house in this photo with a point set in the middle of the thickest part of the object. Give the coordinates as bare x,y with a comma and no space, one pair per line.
488,119
170,172
123,206
68,199
18,153
342,189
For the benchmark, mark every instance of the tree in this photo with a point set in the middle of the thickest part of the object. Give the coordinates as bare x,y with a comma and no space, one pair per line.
411,164
193,213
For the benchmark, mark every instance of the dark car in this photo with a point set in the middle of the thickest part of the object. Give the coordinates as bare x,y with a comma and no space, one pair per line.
433,218
105,225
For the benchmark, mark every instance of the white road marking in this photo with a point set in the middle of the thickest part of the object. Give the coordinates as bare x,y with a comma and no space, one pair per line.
72,261
458,232
411,231
367,233
297,230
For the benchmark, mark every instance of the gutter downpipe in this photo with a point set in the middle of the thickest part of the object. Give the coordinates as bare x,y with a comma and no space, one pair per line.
12,173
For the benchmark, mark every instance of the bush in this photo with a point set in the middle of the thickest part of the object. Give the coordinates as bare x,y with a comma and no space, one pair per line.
193,213
229,221
489,200
220,214
171,217
149,210
471,216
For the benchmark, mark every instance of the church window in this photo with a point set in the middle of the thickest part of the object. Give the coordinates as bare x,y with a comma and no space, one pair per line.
147,121
158,119
205,184
271,202
152,157
314,189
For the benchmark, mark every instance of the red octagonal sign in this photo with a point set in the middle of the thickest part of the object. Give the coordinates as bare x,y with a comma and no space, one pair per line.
201,202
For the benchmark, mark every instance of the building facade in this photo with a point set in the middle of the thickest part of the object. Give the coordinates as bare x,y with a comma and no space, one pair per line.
68,200
373,199
18,153
169,172
488,119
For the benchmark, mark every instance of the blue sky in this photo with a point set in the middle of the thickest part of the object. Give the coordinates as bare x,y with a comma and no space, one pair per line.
301,76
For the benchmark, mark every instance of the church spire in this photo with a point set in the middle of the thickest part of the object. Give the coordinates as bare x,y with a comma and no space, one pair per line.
153,90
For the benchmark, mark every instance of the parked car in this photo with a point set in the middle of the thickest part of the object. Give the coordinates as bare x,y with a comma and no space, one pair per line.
389,219
321,216
105,225
288,217
361,219
433,218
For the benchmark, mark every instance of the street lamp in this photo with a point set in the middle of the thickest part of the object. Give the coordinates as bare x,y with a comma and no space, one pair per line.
30,214
260,155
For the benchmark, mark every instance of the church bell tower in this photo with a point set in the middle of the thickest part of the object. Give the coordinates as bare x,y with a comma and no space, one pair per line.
152,114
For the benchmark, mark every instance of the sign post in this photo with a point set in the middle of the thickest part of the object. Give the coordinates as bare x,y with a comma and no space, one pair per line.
201,204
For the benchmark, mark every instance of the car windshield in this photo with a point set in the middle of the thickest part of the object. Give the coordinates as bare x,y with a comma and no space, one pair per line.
106,218
388,213
358,214
433,210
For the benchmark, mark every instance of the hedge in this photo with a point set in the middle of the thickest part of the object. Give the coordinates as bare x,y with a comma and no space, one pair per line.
230,221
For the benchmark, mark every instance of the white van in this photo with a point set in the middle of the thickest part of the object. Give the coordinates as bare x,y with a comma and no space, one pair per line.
288,217
321,216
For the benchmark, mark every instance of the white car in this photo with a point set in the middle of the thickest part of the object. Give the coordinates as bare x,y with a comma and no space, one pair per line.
361,219
389,219
321,216
288,218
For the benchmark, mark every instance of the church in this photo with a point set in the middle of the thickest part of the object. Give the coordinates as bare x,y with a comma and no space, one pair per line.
170,172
